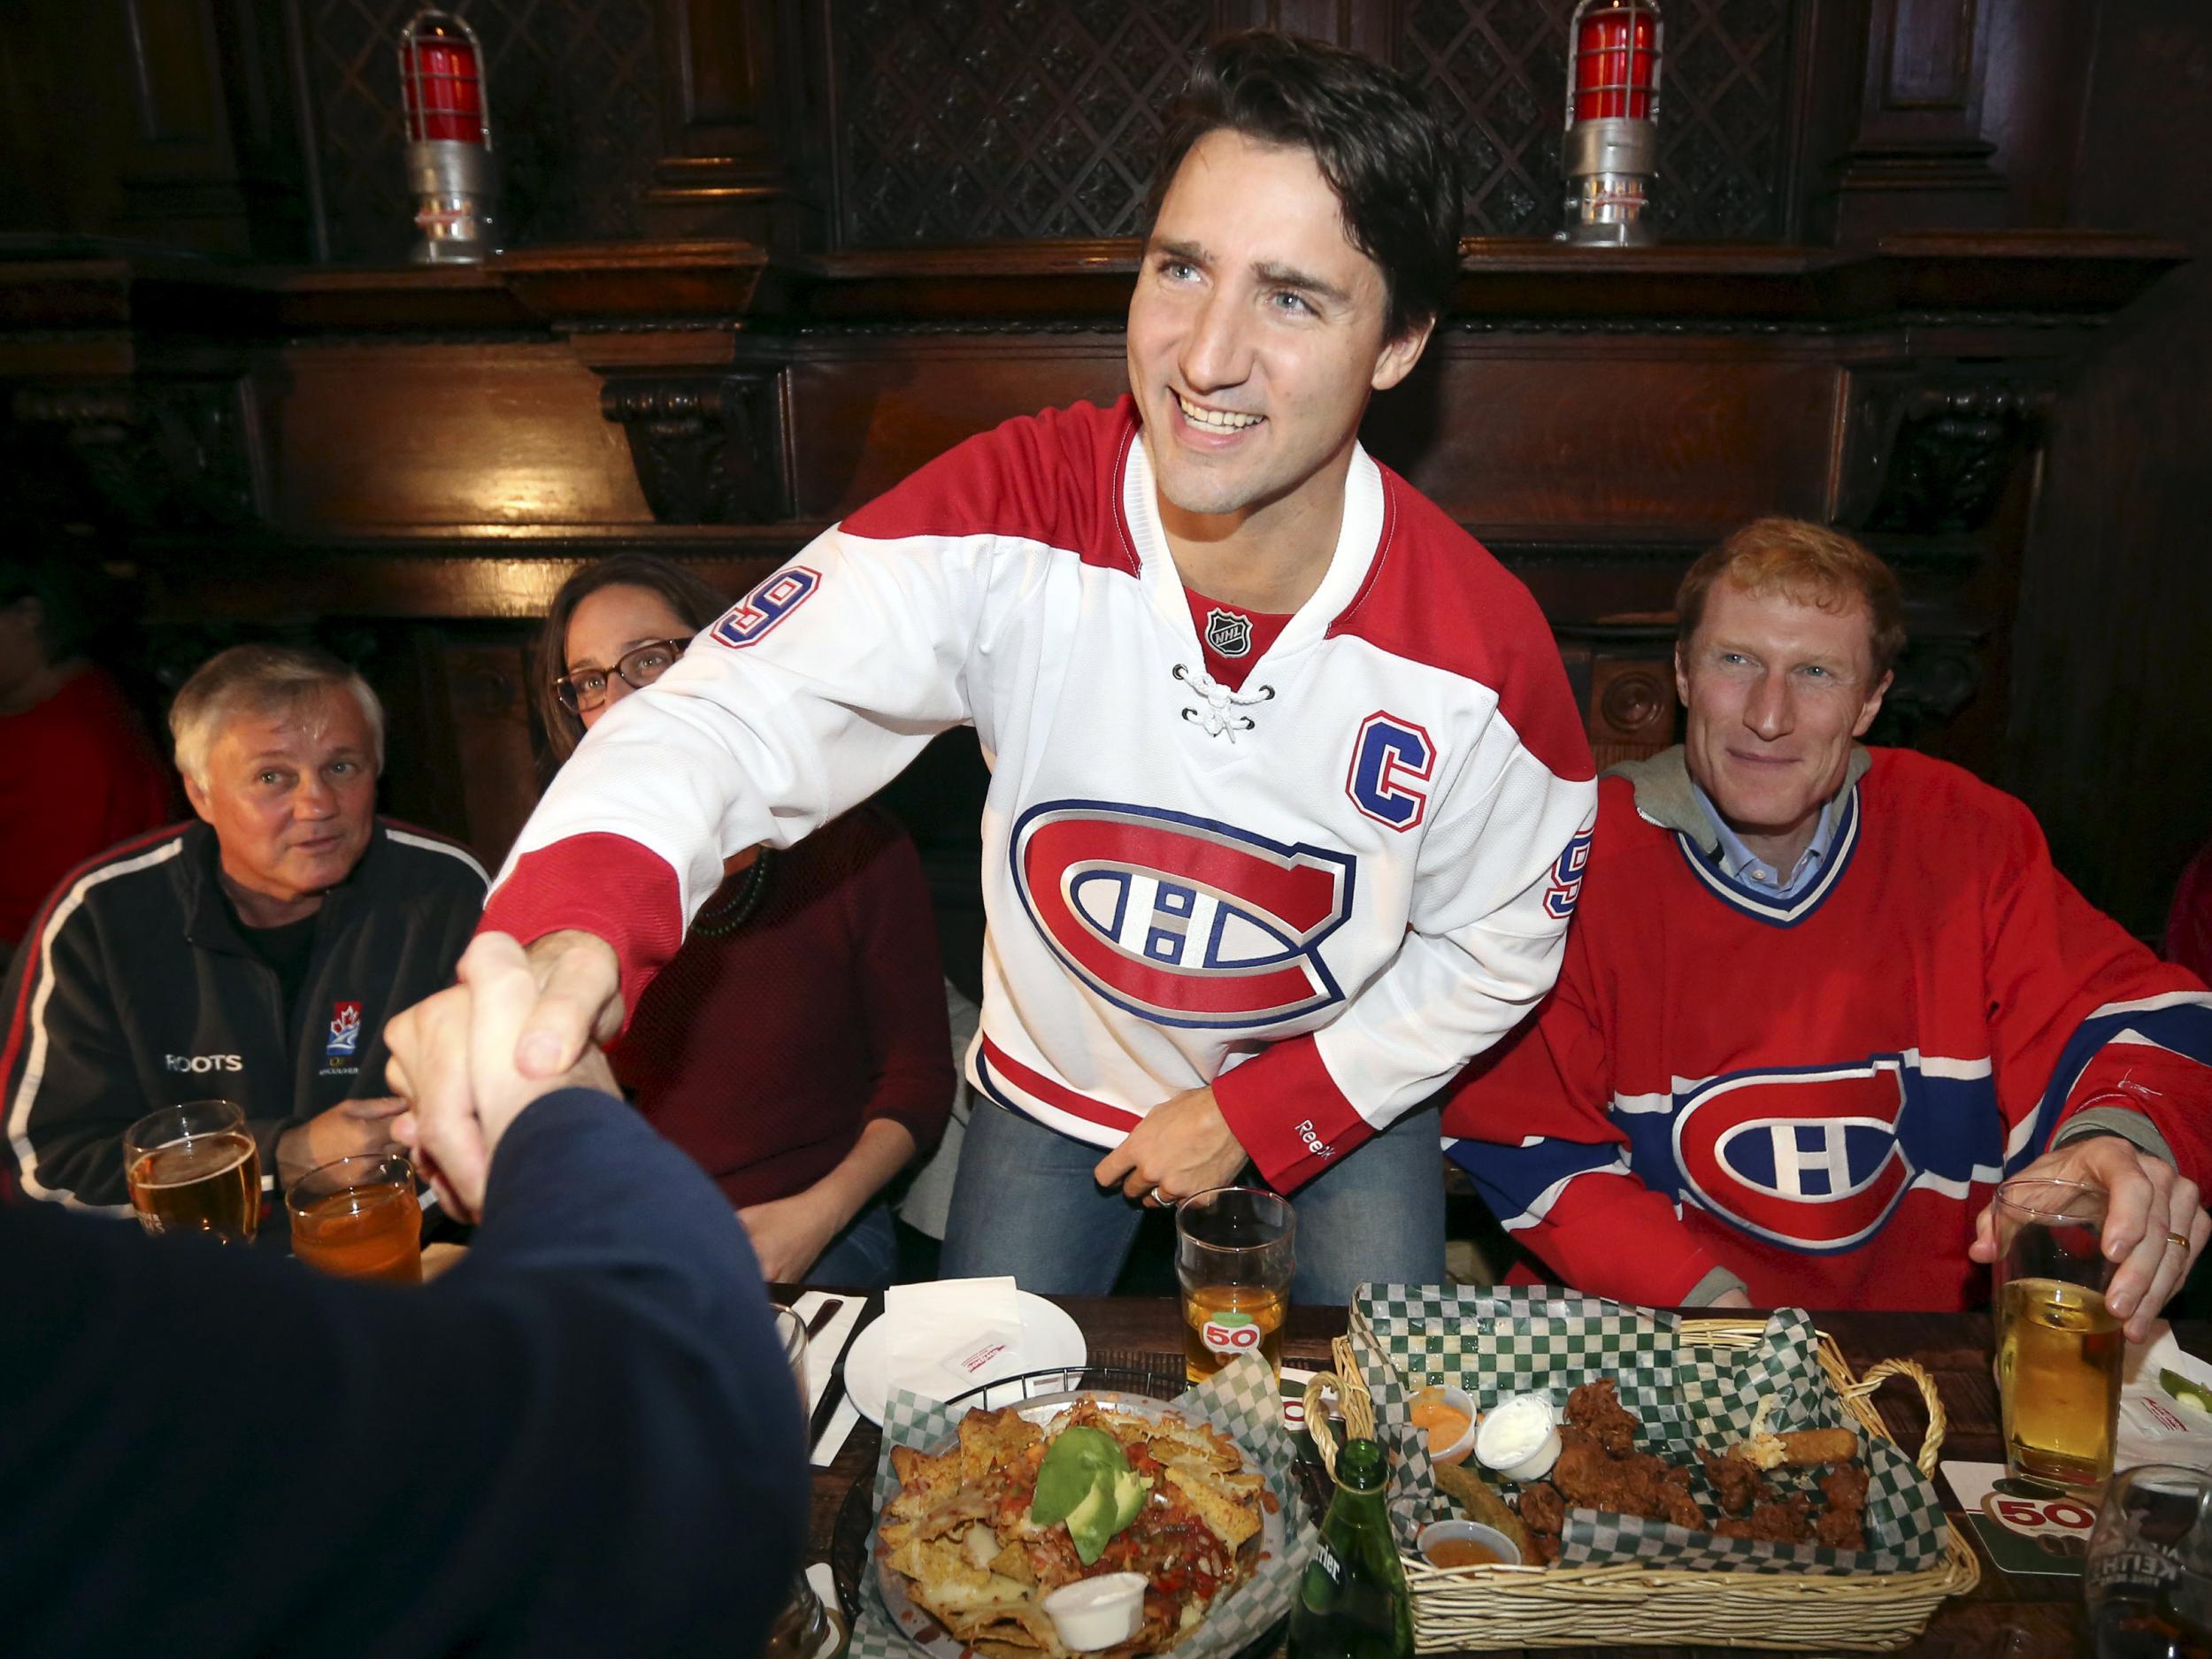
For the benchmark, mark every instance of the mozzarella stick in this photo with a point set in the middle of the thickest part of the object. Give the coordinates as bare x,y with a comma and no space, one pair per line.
1804,1447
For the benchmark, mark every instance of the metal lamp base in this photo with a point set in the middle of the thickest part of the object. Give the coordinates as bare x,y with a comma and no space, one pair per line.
457,194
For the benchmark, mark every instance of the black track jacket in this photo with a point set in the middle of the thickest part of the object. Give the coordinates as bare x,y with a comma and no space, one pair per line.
134,990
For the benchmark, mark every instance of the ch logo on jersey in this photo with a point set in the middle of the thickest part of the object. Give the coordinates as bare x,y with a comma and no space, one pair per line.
1566,874
1810,1159
751,618
1179,919
1391,762
1228,633
345,1030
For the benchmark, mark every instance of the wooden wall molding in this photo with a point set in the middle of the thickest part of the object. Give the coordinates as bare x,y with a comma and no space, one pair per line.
160,452
707,449
439,449
1933,451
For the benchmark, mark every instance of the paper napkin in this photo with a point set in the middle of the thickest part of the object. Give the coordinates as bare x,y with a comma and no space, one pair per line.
948,1337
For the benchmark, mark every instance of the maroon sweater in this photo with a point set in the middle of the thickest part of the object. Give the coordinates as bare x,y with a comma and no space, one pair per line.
764,1054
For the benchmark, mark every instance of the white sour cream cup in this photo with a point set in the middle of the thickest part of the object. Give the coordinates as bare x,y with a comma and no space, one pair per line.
1519,1438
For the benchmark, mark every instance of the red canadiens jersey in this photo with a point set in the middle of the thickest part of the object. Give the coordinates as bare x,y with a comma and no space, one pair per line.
1818,1094
1319,891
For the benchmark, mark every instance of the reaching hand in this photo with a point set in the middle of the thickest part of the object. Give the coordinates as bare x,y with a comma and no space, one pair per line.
457,1057
1183,1146
2149,1205
579,1001
350,1129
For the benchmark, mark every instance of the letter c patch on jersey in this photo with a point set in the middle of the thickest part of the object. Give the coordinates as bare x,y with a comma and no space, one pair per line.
749,620
1390,760
1179,919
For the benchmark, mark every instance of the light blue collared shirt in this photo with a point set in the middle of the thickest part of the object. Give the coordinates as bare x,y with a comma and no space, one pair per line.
1742,864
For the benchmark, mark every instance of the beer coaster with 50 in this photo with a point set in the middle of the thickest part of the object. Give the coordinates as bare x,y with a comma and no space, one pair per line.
1231,1333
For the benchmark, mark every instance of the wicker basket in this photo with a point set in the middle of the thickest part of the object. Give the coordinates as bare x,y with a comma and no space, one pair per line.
1480,1607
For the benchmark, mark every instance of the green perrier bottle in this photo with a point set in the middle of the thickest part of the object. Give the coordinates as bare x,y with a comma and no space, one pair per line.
1352,1602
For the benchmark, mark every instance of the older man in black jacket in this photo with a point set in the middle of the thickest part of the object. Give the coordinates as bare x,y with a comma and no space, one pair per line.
254,955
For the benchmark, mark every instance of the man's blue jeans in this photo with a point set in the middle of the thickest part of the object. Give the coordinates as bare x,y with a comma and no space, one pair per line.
1024,1203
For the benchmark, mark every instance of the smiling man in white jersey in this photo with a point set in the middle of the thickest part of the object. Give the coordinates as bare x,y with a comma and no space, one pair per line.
1289,795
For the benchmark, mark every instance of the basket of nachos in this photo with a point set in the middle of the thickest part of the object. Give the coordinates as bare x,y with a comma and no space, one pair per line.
989,1532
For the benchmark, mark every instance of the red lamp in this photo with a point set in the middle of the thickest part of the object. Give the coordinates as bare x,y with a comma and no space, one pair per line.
450,166
1612,149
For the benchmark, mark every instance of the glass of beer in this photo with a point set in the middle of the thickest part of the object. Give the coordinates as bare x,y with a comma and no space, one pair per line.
805,1625
195,1168
2058,1346
1232,1258
2148,1578
358,1218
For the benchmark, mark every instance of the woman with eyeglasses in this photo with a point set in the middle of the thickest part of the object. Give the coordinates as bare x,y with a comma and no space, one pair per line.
797,1046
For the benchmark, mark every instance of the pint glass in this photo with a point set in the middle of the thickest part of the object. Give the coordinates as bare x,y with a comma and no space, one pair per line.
195,1168
2058,1346
1233,1259
2148,1578
358,1218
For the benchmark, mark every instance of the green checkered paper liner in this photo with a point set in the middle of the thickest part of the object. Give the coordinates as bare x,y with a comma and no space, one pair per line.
1516,1339
1242,1400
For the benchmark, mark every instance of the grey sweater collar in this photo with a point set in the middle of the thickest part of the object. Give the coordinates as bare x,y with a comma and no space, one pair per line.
1664,796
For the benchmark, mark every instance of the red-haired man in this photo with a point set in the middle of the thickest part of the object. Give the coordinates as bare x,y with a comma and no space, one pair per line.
1820,998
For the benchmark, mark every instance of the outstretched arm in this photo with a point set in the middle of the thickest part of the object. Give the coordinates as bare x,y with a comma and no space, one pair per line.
583,1439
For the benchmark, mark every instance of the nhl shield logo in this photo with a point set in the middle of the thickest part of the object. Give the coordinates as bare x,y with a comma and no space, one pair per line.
1228,633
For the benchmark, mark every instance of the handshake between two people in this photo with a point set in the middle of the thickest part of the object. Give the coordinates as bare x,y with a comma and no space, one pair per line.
515,1025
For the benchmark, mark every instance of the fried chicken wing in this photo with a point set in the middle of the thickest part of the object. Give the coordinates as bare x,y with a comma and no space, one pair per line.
1841,1529
1542,1510
1596,1407
1845,1489
1681,1509
1736,1483
1780,1522
1600,1468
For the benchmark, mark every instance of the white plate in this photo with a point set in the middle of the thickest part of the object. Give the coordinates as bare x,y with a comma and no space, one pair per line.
1050,1341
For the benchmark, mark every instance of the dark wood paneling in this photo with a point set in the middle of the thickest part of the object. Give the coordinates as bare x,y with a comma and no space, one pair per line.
436,435
2110,737
375,445
272,127
1041,121
1611,435
2035,85
1918,158
863,422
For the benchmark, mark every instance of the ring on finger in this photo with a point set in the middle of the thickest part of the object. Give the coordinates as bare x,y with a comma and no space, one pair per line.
2182,1238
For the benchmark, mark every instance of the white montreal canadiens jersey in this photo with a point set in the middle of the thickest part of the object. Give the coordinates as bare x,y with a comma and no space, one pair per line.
1341,880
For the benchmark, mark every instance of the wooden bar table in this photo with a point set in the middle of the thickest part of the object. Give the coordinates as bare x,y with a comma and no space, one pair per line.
2006,1617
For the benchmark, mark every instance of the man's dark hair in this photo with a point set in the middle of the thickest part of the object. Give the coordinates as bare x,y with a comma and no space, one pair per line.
64,577
1396,169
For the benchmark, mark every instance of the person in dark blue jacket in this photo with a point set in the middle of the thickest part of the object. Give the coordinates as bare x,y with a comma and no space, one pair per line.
581,1440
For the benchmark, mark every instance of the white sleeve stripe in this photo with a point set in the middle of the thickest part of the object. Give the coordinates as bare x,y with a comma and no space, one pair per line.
1540,1206
35,1063
2136,1039
431,845
2152,1004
